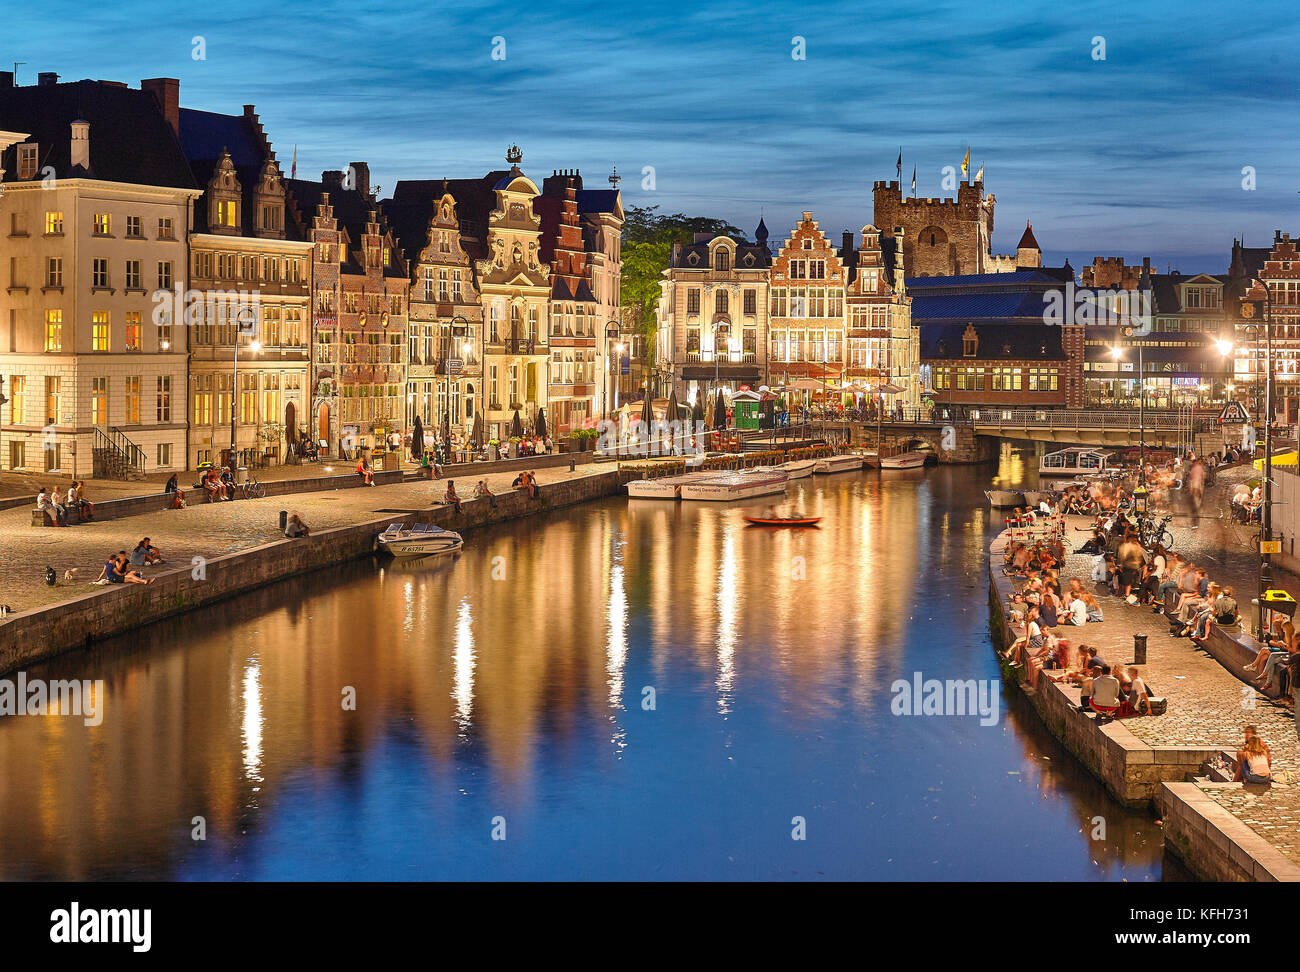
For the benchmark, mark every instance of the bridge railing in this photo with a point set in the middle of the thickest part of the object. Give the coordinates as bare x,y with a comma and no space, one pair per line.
1117,419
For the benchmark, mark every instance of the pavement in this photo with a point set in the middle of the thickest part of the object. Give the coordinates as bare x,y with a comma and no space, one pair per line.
1208,706
208,529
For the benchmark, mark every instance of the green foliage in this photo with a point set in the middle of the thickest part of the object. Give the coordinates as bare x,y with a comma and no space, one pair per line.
648,239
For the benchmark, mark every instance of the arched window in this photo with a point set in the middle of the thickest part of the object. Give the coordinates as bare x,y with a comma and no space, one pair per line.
469,401
720,304
722,259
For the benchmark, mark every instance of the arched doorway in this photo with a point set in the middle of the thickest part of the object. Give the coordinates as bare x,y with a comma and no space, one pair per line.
323,425
290,423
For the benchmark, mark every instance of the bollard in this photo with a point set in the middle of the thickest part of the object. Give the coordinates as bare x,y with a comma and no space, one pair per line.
1139,649
572,464
284,520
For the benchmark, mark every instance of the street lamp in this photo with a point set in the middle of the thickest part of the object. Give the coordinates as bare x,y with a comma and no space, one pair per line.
1248,310
612,330
1116,353
721,330
243,322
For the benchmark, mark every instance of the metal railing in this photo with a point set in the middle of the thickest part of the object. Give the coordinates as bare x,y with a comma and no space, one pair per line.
1117,419
119,454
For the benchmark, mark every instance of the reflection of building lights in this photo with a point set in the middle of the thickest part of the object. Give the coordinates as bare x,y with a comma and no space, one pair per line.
727,620
463,662
252,726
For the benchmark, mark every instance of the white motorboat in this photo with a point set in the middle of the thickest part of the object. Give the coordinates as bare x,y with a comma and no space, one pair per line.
841,463
665,487
1033,497
1004,498
419,540
907,460
759,481
797,468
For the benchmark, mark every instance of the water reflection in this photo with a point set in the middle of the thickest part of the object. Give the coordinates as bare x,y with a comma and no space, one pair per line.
509,681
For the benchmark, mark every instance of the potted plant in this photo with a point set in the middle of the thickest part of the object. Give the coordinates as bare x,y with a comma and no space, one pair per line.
494,449
514,446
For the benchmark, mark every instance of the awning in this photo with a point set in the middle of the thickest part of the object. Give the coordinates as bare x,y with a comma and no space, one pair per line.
1281,459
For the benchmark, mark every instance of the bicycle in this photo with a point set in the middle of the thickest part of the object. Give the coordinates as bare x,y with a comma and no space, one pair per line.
252,489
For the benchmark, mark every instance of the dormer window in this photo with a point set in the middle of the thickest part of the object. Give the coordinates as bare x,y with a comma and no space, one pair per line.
270,217
722,260
226,213
970,342
27,158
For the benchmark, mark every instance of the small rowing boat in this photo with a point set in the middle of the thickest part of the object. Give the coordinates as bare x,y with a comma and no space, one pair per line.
845,462
797,468
783,521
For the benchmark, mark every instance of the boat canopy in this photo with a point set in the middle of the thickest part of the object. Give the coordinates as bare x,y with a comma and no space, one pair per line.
1281,459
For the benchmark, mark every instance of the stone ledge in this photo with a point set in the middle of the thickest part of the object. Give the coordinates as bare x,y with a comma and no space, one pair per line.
1215,843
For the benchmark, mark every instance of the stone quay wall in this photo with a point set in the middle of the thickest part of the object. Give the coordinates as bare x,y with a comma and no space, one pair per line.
30,637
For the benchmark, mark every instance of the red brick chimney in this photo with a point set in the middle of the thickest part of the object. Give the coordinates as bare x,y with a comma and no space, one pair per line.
167,92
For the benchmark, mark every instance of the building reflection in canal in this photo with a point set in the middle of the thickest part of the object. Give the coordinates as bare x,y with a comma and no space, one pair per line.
513,682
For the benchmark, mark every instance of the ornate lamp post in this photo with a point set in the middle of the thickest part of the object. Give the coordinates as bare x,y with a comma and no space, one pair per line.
452,332
243,323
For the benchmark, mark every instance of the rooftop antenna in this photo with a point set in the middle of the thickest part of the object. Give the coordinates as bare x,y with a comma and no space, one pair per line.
615,178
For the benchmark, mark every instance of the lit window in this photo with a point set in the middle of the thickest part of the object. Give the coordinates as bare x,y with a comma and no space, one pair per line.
54,223
103,224
54,330
99,331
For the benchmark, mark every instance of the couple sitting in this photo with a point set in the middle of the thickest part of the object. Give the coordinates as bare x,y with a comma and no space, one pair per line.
526,481
117,570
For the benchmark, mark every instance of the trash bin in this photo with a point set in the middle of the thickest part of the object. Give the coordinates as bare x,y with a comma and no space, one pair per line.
241,474
1139,649
284,520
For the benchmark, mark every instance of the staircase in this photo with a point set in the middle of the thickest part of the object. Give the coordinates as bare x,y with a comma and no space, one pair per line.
116,456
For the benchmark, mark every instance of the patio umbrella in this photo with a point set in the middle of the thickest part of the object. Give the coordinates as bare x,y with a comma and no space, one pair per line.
517,426
889,388
719,412
697,411
670,413
417,439
476,435
541,423
647,412
804,384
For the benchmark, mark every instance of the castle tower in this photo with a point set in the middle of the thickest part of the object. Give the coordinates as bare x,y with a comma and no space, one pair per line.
1028,253
939,237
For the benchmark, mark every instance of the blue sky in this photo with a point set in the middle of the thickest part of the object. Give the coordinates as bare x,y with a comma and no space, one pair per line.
1139,154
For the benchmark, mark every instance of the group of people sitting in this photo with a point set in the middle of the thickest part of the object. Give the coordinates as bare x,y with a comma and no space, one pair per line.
63,507
1247,503
1279,654
217,485
121,569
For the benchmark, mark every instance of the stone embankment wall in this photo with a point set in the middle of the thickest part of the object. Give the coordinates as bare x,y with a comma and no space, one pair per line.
37,635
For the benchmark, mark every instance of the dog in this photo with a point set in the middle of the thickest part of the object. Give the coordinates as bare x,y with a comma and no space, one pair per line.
70,574
5,610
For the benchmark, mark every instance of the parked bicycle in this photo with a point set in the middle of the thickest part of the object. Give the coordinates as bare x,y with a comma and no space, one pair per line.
251,489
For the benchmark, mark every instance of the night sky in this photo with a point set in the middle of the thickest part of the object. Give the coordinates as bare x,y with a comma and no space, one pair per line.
1139,154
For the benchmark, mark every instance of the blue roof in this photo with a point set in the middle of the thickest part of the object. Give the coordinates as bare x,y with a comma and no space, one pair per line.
982,279
1008,305
205,133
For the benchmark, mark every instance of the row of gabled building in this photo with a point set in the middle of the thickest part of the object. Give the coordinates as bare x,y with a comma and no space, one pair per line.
918,301
162,274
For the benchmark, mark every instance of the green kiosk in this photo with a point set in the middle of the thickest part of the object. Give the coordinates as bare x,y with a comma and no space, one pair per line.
746,408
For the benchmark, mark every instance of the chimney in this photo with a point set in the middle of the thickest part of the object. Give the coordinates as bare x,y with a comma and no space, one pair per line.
332,178
80,154
47,78
361,177
847,237
167,92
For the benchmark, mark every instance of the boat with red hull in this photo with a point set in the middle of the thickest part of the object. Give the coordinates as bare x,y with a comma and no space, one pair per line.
783,521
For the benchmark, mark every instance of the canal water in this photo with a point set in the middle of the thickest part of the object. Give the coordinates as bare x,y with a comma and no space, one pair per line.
628,689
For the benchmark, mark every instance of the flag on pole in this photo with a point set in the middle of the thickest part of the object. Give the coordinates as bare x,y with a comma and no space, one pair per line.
913,180
965,163
293,173
979,176
900,163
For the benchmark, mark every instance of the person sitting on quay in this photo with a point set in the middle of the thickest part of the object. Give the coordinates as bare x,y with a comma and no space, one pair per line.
449,498
77,502
212,488
364,471
1036,660
228,483
173,489
118,571
145,554
481,491
1105,700
295,527
1076,612
525,481
1137,696
1189,600
1277,650
1254,760
51,506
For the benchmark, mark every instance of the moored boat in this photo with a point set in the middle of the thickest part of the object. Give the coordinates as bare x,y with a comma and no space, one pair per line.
846,462
1003,498
907,460
419,540
797,468
665,487
1035,496
760,481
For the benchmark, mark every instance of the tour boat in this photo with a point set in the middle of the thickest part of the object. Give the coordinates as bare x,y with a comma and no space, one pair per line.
1075,461
1002,498
797,468
419,540
1035,496
759,481
783,521
841,463
665,487
908,460
871,458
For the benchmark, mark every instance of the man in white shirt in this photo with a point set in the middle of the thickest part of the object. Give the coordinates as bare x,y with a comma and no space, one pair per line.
1105,692
1076,610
